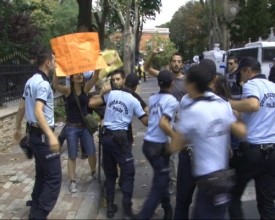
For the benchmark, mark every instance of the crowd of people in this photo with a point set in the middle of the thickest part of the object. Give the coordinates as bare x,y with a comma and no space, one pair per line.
205,131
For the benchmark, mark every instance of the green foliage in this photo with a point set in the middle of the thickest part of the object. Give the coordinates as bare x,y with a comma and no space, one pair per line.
28,26
59,111
189,29
169,49
252,21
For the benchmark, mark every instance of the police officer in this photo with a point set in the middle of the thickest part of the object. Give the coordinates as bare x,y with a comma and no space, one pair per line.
257,159
178,90
206,122
121,106
38,104
162,109
186,183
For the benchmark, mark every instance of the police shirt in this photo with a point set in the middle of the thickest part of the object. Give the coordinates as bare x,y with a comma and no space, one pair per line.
121,106
38,88
206,124
160,104
260,124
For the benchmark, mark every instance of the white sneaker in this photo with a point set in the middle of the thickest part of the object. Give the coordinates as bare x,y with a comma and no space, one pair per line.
72,187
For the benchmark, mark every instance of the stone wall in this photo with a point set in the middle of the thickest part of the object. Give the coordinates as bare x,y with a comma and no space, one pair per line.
7,125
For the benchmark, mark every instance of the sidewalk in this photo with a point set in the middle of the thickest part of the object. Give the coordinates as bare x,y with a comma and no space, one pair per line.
17,179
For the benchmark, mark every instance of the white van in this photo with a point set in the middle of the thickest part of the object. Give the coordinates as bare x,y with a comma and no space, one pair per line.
218,57
263,51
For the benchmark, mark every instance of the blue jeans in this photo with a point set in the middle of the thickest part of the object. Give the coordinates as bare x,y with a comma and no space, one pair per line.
48,176
186,185
73,134
159,160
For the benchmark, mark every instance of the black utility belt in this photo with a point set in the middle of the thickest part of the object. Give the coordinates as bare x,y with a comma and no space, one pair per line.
266,148
105,131
34,127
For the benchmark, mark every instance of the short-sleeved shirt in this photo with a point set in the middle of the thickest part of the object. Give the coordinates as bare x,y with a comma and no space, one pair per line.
260,124
206,123
38,88
160,104
178,88
121,106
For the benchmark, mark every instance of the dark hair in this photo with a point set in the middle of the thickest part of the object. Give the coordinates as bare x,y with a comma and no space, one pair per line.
43,56
232,57
221,87
200,76
176,54
119,71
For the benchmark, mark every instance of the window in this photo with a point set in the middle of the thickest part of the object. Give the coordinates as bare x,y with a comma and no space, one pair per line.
268,54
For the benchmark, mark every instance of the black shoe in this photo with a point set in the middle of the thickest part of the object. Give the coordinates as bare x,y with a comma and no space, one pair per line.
111,207
168,213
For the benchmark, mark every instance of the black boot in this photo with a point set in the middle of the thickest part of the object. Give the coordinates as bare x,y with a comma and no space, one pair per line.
111,207
168,212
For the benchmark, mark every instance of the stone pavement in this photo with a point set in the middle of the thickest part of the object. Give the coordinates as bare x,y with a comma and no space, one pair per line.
17,179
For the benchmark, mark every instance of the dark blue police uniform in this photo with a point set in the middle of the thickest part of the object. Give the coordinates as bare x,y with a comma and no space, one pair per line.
120,108
47,164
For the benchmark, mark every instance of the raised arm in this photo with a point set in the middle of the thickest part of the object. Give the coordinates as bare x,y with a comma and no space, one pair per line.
148,62
65,90
91,82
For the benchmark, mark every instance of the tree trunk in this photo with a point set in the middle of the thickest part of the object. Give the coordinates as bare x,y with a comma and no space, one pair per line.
85,14
100,22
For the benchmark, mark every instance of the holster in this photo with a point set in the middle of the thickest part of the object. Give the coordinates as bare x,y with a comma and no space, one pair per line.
119,137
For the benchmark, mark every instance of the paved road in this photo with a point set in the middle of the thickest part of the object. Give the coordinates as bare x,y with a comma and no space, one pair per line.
143,176
17,174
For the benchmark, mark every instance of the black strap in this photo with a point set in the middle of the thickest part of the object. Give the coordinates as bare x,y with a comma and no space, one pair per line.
78,104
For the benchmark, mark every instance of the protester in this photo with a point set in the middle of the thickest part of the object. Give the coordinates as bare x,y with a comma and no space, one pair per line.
121,106
231,77
178,90
37,104
75,126
210,142
162,108
256,159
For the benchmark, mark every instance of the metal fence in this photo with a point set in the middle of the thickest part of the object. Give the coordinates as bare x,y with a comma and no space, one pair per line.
12,81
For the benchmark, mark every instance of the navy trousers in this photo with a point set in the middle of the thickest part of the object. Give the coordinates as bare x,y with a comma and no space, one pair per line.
48,176
159,160
186,185
113,155
254,164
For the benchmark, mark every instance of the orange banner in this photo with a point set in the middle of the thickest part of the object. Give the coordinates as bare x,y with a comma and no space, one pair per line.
76,53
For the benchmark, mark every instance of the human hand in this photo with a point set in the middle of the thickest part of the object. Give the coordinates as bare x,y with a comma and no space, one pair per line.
54,144
17,135
157,50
